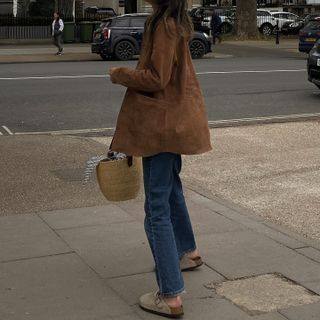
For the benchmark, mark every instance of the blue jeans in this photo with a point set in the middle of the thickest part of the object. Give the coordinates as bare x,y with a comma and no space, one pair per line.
167,223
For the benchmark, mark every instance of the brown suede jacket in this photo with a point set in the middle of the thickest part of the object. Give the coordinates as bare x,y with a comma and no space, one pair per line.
163,109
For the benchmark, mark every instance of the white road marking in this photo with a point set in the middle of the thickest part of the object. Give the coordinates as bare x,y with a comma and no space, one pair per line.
7,130
58,77
252,71
86,76
278,118
70,132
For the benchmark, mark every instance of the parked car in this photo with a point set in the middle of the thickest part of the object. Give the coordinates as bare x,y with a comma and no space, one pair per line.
284,17
201,18
266,22
291,28
314,64
121,38
294,27
309,35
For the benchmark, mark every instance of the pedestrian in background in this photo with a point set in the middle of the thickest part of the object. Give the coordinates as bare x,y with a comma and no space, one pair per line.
215,27
57,30
162,117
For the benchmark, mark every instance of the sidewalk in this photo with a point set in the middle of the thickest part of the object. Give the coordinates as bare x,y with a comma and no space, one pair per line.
290,45
46,53
93,262
82,52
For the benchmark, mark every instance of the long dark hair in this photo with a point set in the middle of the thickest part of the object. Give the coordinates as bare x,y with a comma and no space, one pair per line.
58,14
176,9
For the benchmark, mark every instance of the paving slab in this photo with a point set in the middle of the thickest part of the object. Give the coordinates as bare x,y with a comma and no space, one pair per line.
81,217
269,316
206,221
241,218
205,309
131,316
26,236
56,288
265,293
134,208
246,217
310,253
245,253
313,286
112,250
307,312
130,288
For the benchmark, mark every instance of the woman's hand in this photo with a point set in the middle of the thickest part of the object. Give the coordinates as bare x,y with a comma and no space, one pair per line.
112,73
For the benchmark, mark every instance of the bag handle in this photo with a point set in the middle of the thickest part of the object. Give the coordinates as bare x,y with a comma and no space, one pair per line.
129,158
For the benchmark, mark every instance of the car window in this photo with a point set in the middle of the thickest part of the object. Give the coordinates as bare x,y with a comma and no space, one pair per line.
315,24
123,22
138,22
263,14
276,15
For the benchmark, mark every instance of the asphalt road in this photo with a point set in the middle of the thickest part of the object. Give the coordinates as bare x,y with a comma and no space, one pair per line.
78,95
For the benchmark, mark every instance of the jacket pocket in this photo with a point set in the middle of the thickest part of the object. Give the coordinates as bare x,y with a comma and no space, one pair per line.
148,115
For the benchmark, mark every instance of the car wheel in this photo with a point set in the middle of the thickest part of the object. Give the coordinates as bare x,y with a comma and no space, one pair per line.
226,28
104,57
267,29
124,50
197,49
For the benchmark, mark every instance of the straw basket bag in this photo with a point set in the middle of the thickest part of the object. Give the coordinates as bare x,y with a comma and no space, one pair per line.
119,180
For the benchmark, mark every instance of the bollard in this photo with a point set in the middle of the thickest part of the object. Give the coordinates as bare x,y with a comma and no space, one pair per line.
277,33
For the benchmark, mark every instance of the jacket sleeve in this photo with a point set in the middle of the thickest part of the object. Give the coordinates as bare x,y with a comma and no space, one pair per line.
163,58
61,25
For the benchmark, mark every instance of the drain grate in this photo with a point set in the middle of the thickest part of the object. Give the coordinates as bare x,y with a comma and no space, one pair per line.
265,293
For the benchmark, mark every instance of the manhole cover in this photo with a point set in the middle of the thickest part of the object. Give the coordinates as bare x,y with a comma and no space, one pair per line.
265,293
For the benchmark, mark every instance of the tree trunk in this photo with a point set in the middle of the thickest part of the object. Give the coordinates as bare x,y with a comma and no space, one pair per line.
246,19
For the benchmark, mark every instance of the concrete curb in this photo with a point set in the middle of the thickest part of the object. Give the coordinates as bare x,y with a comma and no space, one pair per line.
108,132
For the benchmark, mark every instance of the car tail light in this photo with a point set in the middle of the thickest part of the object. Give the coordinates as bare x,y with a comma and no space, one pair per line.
106,33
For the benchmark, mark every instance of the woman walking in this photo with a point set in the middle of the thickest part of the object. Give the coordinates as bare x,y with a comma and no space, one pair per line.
162,117
57,29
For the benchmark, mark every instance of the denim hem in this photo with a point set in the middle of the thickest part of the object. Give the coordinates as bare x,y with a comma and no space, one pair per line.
173,294
187,251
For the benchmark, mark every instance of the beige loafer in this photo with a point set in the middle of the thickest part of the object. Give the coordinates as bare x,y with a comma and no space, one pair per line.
154,303
187,263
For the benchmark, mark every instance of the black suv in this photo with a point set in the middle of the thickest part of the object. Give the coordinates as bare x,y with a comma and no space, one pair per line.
121,38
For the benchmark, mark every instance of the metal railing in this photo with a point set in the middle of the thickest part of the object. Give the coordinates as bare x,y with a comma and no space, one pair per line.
24,27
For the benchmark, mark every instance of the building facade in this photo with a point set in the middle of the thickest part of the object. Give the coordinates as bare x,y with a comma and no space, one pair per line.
6,7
